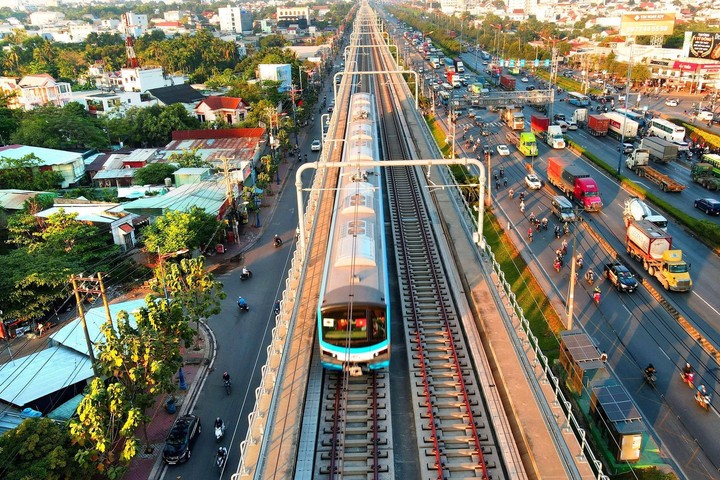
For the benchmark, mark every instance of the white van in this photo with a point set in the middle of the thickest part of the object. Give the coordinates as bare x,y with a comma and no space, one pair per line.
447,86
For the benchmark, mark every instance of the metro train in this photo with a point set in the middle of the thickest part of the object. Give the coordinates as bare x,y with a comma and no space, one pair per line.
354,308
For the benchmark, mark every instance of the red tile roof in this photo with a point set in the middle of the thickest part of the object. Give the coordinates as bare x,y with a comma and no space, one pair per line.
216,102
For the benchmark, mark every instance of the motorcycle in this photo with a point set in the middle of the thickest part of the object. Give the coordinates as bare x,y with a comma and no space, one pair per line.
243,306
688,378
596,297
228,386
277,241
221,457
703,400
530,234
590,277
219,432
245,275
650,377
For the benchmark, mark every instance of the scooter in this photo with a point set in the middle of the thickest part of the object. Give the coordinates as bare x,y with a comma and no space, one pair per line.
277,241
245,275
244,307
228,386
650,377
688,378
219,432
703,400
221,457
596,298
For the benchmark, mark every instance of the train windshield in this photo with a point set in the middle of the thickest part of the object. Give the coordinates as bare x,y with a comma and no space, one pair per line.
366,327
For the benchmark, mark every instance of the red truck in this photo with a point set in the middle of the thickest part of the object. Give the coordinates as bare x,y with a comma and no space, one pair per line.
575,183
598,125
507,82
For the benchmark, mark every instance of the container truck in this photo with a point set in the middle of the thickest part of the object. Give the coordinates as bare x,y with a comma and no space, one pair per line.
435,62
579,116
636,209
661,151
453,79
459,67
615,127
550,134
575,183
704,174
449,65
524,141
653,247
598,125
507,82
513,118
638,162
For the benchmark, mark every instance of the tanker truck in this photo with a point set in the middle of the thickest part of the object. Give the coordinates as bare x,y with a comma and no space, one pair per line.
653,247
636,209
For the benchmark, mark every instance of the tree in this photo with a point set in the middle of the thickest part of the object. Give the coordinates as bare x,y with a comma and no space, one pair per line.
176,231
191,287
67,127
153,174
39,448
25,174
188,159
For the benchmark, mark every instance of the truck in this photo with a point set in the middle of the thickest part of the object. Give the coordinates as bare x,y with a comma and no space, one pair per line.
598,125
638,161
459,67
661,151
524,141
580,116
550,134
513,118
449,65
704,174
615,127
507,83
575,183
636,209
453,79
435,62
653,247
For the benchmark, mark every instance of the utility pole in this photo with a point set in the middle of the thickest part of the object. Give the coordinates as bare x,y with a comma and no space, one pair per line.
293,91
230,196
81,313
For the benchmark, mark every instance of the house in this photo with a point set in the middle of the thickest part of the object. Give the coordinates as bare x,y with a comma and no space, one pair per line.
240,147
184,94
35,91
13,200
69,164
217,108
209,195
186,176
109,217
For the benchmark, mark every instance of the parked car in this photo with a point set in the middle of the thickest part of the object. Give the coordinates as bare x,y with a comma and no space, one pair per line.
315,146
503,150
533,182
621,278
179,441
705,116
708,205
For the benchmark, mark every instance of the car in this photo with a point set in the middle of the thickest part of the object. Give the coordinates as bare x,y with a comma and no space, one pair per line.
524,79
503,150
621,278
315,146
533,182
626,148
563,125
559,117
705,116
671,102
331,108
486,149
682,146
179,441
708,205
572,125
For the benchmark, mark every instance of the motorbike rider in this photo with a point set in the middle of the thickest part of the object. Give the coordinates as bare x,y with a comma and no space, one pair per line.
596,294
277,240
242,303
649,371
245,271
579,262
687,371
221,454
219,423
590,276
701,393
276,307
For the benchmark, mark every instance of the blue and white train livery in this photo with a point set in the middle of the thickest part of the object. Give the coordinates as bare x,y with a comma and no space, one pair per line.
354,310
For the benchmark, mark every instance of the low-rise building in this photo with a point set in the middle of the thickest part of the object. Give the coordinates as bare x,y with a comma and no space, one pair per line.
218,108
69,164
33,91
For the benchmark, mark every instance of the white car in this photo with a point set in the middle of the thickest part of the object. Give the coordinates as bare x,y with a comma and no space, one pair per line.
671,102
533,182
503,150
315,146
524,79
704,116
571,125
563,125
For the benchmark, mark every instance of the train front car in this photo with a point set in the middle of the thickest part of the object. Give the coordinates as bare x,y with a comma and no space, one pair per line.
354,311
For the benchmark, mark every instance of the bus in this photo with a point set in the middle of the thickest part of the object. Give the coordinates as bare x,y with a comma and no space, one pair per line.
578,99
640,119
714,160
667,130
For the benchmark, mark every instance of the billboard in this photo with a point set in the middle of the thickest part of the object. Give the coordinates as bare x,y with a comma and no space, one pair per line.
704,45
647,23
276,73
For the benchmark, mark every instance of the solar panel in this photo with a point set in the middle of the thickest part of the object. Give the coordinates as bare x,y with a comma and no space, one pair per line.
580,347
616,403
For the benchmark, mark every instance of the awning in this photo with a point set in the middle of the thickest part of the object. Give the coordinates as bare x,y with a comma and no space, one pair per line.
126,227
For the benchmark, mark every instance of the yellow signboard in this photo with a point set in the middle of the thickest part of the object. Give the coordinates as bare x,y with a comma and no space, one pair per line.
647,23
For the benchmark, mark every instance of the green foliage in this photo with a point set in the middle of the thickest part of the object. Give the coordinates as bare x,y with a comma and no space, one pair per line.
25,174
153,174
272,41
39,448
180,230
92,193
149,126
62,128
189,159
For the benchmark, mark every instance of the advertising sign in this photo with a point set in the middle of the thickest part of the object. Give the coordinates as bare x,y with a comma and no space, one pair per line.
705,45
647,23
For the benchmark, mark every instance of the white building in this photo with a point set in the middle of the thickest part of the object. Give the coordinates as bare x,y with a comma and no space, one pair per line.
293,14
34,91
45,18
137,24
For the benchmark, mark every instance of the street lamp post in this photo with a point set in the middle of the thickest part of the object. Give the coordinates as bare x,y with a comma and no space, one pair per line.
625,110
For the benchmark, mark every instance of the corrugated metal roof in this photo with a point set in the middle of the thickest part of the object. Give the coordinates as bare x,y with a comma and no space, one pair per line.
13,199
32,377
47,156
208,195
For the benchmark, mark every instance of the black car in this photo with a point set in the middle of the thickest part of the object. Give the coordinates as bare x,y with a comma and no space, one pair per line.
180,439
559,117
708,205
620,277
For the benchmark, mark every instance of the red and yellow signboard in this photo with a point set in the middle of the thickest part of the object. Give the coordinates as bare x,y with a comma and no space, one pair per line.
647,23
